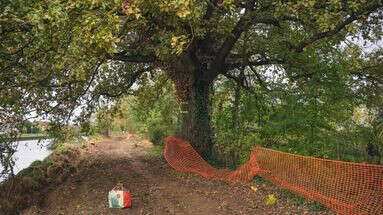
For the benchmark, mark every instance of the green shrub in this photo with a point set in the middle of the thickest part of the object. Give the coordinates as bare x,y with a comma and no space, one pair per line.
37,173
156,135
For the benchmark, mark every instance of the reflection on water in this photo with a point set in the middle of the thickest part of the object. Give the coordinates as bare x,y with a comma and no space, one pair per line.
29,151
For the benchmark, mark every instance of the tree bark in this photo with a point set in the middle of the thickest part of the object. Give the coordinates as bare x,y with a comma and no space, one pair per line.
196,126
193,90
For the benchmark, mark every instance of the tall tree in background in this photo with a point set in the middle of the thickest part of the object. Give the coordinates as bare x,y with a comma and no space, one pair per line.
58,55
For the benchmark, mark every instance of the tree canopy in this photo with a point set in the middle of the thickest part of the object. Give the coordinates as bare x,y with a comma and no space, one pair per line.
58,55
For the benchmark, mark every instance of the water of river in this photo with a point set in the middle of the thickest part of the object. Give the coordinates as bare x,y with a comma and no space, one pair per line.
29,151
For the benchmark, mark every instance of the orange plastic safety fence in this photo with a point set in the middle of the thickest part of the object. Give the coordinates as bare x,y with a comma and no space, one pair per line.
345,187
181,156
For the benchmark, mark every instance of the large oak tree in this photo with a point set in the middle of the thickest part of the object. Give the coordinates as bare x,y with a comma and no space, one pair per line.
59,54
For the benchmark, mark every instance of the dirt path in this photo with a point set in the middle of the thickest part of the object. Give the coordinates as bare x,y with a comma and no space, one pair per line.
154,186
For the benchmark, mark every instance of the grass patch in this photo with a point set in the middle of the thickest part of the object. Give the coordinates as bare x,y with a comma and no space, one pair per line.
298,200
32,136
58,146
157,152
317,206
259,180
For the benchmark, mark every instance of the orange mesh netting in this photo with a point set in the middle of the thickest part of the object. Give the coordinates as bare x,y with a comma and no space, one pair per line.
345,187
181,156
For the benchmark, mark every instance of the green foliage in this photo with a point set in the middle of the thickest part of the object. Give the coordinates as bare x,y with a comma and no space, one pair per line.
30,128
156,134
235,143
295,198
104,119
300,200
34,171
62,134
61,55
306,80
154,110
309,114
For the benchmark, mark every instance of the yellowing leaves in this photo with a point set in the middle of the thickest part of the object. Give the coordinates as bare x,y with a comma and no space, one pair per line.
271,199
254,188
318,14
95,3
47,17
131,8
133,11
174,41
183,13
228,4
181,8
177,43
362,116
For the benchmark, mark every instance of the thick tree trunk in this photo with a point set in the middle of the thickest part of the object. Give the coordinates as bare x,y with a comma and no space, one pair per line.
196,126
193,90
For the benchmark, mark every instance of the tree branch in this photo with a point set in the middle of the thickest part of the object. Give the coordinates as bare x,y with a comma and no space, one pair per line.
325,34
264,62
367,77
239,82
260,81
337,29
132,79
244,23
133,58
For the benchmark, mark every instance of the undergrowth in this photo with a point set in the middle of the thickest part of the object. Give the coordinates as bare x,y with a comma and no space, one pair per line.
157,152
298,200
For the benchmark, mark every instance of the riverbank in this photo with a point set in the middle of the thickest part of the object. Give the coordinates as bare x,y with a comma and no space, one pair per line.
32,136
38,136
28,151
26,188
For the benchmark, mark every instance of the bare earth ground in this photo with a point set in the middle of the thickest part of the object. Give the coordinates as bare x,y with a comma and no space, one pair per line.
154,187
